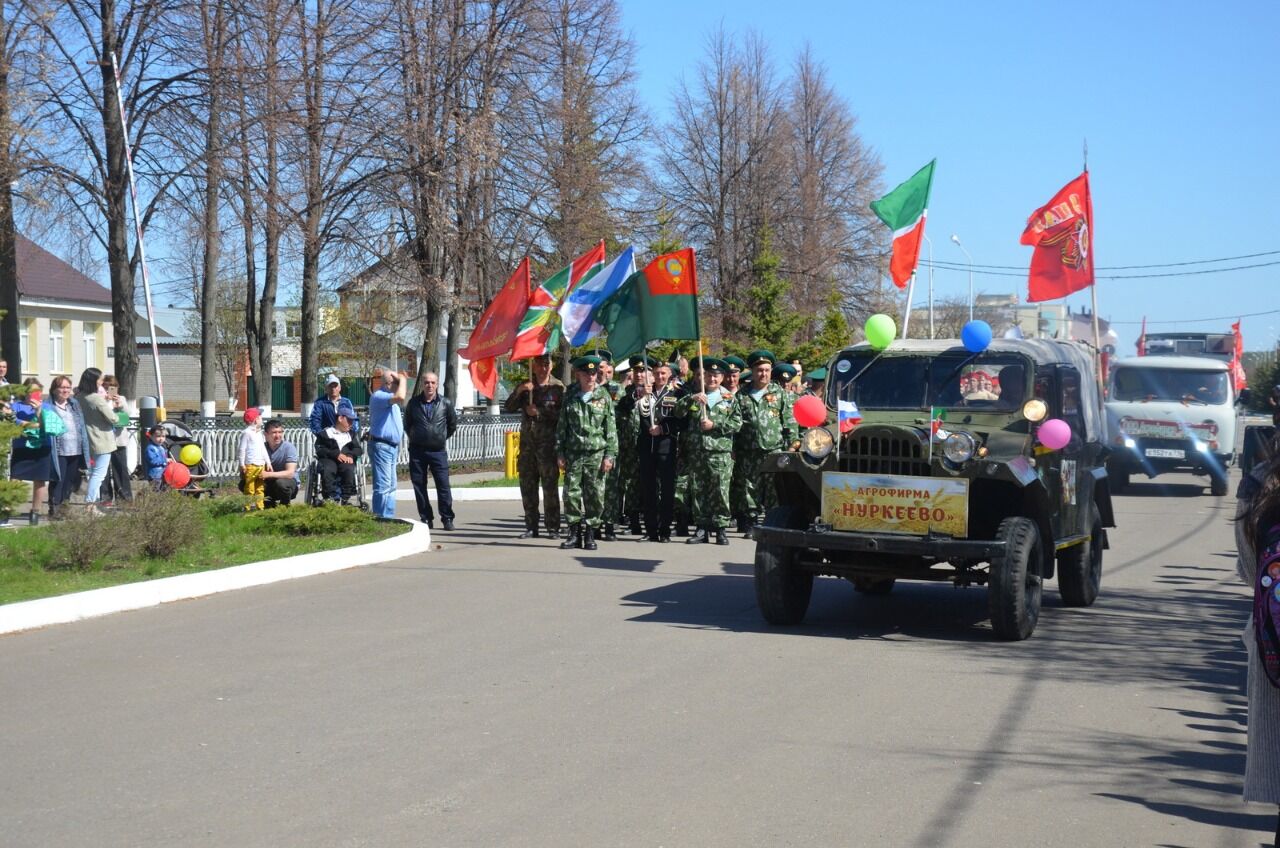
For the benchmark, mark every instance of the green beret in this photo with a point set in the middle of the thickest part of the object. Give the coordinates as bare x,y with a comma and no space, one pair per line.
818,374
590,364
639,361
757,356
784,373
712,365
735,363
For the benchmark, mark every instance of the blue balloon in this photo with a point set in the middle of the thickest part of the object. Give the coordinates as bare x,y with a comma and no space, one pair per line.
976,336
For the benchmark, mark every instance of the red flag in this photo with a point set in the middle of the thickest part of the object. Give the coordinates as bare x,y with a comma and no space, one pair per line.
1238,377
1142,338
495,332
1061,232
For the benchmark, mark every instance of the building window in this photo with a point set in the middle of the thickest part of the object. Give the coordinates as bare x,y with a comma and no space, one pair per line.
24,345
57,363
293,329
90,345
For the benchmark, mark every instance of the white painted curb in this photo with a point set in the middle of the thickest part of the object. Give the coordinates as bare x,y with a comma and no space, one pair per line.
478,493
42,612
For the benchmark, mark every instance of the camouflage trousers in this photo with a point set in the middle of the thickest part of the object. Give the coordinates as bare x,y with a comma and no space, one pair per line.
622,491
538,470
738,487
758,494
683,503
584,488
711,473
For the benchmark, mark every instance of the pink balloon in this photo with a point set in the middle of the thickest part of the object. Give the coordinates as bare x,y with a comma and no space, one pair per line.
810,411
1054,434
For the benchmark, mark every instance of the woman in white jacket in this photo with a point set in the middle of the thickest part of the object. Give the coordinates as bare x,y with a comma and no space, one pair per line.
99,425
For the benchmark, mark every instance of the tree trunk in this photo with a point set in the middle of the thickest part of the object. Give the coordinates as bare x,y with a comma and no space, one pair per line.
314,82
213,178
116,197
10,334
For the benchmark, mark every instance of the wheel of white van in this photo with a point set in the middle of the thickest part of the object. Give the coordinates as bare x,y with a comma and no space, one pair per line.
1080,566
1014,587
782,589
1218,485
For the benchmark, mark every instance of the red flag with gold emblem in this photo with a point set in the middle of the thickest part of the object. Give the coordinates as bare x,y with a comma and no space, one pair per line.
495,332
1061,232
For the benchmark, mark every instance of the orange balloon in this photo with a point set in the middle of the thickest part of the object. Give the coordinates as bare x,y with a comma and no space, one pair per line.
177,475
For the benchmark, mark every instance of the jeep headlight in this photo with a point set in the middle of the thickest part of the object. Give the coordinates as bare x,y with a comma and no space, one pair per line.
959,448
1035,410
817,442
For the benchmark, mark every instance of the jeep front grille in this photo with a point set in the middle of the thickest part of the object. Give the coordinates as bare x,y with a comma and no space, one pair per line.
868,451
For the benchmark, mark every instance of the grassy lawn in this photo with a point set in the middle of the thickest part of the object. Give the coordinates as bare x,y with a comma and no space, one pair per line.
34,561
487,484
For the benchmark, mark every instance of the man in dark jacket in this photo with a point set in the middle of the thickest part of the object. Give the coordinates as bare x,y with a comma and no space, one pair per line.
429,421
324,412
337,449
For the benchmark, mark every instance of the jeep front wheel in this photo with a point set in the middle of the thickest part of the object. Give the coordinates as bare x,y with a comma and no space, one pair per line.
1080,566
1014,588
782,589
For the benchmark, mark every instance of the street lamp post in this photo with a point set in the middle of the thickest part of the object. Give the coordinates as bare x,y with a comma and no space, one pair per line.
956,239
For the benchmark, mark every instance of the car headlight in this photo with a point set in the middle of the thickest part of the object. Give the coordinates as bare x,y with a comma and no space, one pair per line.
1035,410
959,447
817,442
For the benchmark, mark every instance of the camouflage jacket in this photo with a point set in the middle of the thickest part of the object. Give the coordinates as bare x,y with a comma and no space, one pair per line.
547,399
726,420
587,424
768,424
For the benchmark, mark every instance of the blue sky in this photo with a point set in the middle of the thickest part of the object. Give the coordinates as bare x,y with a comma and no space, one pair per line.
1178,102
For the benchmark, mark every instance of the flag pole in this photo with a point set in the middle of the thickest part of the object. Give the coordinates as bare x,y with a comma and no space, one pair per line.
1093,284
906,318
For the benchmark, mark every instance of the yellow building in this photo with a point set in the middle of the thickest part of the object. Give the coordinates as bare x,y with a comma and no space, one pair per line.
64,318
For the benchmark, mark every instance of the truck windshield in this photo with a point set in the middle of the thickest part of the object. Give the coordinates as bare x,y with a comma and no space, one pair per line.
1148,384
991,381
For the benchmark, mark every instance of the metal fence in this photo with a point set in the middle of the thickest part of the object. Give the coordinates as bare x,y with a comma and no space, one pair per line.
479,437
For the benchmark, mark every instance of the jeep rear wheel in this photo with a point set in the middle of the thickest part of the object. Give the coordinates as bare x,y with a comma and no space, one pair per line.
782,589
1015,588
1080,566
1218,484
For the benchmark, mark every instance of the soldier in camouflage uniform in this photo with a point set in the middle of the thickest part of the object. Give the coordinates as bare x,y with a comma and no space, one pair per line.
538,402
586,444
817,383
626,502
733,383
713,420
685,491
612,480
768,426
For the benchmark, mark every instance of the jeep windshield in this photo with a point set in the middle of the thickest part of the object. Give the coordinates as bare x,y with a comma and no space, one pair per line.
994,382
1176,384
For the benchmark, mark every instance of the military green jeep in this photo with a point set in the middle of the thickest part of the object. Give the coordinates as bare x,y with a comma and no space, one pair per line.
931,467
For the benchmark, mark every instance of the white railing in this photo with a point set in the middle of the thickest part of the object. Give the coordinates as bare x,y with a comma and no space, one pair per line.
478,437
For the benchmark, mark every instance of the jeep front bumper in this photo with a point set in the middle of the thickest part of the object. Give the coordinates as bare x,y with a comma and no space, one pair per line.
939,548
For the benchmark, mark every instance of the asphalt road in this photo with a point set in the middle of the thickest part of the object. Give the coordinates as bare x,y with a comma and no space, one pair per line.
500,693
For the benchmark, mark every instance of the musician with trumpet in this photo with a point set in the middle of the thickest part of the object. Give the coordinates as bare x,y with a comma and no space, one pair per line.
712,418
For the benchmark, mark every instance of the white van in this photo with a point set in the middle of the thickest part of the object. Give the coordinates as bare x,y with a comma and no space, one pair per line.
1170,413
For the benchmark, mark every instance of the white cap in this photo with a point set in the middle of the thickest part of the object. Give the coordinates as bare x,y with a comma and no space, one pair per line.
332,380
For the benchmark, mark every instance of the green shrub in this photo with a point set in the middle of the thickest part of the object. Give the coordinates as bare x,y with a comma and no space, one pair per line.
300,520
158,524
230,503
81,541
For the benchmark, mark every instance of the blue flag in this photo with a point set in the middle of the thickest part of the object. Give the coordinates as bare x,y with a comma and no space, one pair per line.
578,312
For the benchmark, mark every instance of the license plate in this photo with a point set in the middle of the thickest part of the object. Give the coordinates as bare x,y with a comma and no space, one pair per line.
914,506
1166,453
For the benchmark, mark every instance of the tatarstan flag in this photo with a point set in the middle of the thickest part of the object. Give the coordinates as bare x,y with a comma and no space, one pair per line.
904,210
658,302
495,332
540,330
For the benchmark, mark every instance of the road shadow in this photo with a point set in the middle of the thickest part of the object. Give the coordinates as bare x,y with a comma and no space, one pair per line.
1151,489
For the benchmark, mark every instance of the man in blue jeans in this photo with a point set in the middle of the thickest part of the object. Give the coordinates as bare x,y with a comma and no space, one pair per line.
386,430
429,421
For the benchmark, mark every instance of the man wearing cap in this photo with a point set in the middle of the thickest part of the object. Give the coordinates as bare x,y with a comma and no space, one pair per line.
622,499
733,376
818,383
712,420
586,445
660,428
685,489
785,374
324,412
768,426
429,422
538,401
337,450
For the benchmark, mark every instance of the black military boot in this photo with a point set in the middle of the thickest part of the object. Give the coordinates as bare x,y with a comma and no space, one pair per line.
699,537
589,538
636,529
721,538
744,522
573,537
609,534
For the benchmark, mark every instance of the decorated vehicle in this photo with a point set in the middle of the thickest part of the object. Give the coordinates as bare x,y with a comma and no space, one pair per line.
978,464
1171,413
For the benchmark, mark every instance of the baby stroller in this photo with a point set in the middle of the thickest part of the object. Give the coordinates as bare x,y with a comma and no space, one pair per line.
178,437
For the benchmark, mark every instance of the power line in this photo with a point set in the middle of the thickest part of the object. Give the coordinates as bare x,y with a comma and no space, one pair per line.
1204,320
1133,267
947,266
